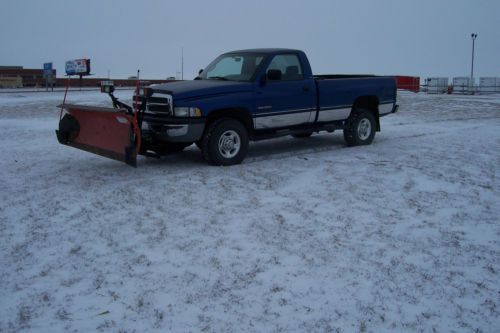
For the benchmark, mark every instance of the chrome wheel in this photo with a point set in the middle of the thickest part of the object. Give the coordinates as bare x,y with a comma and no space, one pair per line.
229,144
364,129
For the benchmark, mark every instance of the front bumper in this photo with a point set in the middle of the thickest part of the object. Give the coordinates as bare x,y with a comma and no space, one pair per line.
159,125
173,129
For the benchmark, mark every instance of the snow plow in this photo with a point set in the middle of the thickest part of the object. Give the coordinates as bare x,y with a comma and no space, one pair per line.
109,132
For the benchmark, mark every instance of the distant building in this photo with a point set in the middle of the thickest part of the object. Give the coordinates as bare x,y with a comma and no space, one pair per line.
20,76
11,82
17,77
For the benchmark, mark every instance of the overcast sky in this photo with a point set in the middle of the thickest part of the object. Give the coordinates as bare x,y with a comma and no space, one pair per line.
407,37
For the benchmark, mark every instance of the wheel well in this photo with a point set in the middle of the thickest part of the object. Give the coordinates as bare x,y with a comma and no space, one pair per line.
239,114
369,103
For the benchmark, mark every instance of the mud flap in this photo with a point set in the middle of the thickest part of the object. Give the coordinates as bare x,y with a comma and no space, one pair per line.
108,132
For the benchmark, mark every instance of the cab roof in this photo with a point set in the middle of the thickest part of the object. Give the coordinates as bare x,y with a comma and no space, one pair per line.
264,50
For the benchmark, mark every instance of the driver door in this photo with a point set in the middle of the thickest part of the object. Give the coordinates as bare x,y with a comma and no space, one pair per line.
286,99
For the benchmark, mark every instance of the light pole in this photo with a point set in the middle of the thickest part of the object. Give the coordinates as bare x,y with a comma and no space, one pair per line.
473,36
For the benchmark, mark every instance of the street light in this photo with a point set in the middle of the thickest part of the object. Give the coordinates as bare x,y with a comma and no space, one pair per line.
473,36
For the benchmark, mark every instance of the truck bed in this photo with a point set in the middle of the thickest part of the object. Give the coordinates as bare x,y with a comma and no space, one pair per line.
338,93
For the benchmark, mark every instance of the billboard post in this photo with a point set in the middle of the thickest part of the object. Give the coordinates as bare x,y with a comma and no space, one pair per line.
47,75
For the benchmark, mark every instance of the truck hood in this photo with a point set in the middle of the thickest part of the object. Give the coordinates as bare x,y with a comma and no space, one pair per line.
201,88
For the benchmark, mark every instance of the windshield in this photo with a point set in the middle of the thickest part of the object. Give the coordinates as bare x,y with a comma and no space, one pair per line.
232,67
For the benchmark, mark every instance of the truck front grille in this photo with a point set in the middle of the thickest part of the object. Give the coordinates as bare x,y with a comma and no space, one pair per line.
160,106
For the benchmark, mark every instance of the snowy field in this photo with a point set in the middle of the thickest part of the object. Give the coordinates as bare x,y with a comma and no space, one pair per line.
305,236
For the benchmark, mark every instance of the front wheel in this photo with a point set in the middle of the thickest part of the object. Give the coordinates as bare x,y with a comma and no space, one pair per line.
225,142
360,128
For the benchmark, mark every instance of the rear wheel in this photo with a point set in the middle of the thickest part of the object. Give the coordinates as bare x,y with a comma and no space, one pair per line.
225,142
360,128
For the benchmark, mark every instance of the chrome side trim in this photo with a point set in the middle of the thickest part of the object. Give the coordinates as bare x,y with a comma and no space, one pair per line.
282,120
385,108
335,107
334,114
283,112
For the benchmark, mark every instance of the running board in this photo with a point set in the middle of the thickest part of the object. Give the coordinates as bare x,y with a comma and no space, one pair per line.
275,133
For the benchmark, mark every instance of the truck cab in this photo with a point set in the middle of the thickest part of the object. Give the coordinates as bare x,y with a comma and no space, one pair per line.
268,93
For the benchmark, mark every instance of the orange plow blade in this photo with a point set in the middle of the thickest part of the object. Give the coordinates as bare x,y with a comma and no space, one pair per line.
108,132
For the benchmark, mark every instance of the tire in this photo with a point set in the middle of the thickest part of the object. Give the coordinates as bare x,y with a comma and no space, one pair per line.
302,135
360,128
225,142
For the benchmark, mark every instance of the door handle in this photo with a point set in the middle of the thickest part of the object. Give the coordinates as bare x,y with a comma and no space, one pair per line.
305,88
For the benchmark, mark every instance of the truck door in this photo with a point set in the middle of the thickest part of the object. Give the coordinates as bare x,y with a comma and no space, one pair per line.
286,98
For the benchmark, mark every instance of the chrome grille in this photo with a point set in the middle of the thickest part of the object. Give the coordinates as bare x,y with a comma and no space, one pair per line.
159,104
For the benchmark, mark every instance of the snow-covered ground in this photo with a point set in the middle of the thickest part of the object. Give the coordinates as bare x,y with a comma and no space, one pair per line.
305,236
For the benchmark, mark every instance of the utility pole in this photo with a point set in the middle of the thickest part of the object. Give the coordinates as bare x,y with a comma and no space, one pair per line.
473,36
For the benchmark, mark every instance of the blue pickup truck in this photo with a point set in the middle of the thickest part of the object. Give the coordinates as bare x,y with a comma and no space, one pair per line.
253,95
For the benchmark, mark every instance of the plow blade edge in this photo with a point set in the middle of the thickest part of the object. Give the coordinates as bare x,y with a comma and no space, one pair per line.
108,132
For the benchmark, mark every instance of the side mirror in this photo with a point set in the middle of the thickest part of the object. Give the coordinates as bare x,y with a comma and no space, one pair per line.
274,74
200,71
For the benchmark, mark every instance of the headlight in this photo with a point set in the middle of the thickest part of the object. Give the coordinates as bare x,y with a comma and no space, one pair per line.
187,112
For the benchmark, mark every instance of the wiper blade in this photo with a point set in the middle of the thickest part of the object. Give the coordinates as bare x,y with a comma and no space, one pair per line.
218,78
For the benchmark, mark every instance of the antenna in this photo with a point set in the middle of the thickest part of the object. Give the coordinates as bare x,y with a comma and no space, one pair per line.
182,63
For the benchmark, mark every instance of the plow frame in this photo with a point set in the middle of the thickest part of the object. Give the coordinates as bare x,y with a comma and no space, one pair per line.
108,132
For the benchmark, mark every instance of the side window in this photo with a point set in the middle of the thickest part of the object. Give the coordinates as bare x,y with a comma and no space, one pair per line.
288,65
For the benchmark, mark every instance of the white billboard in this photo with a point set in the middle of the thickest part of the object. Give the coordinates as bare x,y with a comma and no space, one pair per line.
78,67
